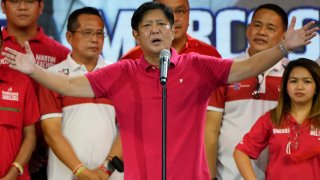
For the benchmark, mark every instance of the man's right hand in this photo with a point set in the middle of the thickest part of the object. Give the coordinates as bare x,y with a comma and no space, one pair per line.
24,63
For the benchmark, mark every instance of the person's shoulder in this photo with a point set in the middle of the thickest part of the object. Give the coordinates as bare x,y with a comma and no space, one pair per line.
18,77
134,53
199,42
202,47
53,43
266,118
49,41
60,66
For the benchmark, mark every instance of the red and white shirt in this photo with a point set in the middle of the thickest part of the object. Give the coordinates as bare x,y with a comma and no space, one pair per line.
240,111
47,51
87,123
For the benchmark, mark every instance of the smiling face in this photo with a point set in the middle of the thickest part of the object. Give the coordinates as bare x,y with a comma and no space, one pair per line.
22,14
154,33
301,86
265,31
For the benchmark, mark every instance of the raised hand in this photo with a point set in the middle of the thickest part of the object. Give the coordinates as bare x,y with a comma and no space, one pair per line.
300,37
24,63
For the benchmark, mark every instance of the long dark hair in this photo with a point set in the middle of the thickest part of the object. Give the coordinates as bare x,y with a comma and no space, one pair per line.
284,102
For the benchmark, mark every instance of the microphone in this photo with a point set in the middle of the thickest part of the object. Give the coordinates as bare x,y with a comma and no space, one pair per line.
164,65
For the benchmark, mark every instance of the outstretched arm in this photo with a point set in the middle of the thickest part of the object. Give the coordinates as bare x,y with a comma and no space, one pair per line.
262,61
71,86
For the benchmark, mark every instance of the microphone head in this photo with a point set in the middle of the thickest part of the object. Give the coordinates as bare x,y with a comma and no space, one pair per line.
165,53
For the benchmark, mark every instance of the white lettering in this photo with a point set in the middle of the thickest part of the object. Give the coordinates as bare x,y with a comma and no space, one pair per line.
201,28
224,31
10,96
281,131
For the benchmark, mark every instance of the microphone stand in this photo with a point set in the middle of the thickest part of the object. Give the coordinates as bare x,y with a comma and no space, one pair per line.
164,129
164,66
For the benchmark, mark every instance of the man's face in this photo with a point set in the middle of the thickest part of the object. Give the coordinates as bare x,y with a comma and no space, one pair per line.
154,32
87,40
22,14
181,16
265,31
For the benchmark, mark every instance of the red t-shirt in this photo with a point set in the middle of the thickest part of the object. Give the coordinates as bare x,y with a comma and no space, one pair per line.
18,109
302,163
136,92
46,50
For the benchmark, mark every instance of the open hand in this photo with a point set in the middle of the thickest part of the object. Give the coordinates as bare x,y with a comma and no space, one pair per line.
24,63
300,37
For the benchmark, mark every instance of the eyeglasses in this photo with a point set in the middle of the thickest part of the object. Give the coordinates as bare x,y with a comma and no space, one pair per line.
90,33
256,93
180,11
28,2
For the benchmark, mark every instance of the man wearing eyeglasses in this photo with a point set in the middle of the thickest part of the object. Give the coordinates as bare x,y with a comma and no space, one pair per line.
22,25
183,43
234,108
79,131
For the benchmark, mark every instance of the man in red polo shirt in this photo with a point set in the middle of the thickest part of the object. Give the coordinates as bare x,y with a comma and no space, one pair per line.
22,25
18,114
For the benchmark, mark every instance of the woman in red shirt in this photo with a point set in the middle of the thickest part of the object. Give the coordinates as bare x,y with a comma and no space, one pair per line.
291,130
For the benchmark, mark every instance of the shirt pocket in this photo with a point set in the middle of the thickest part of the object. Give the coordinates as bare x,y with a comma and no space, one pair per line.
10,116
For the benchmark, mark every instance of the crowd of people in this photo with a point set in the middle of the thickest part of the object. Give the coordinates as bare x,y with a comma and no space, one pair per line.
77,117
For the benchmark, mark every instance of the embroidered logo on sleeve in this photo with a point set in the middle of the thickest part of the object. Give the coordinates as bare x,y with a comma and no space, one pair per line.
10,95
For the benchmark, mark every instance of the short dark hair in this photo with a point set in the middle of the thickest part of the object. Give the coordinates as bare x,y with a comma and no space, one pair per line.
146,7
278,10
73,23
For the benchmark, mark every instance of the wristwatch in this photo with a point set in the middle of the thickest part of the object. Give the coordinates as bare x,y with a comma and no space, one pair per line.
107,167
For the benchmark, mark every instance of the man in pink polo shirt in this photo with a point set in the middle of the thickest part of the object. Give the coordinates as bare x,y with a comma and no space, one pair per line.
135,90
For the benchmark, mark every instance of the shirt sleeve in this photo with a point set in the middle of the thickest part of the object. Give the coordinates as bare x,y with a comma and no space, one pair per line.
31,108
50,103
102,80
216,70
217,99
255,141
